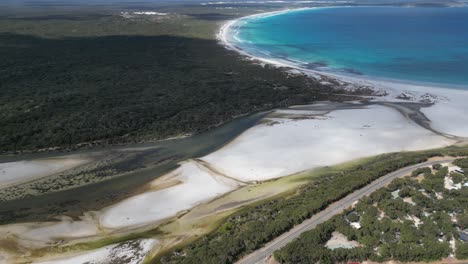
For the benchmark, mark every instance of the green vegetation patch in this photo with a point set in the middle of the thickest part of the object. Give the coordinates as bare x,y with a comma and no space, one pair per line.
254,226
422,223
66,91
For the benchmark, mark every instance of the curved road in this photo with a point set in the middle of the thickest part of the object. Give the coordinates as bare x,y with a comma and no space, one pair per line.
260,255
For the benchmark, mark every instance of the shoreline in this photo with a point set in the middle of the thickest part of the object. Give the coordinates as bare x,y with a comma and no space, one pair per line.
448,112
223,37
384,120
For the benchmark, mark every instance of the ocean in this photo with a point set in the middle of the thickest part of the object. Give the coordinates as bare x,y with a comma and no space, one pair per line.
416,44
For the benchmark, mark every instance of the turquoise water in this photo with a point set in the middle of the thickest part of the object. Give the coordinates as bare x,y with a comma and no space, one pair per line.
419,44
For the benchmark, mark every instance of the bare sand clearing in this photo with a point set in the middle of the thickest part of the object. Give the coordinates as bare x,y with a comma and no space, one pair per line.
289,146
130,252
12,173
197,184
339,240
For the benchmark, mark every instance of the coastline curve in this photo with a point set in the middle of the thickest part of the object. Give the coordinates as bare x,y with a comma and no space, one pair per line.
447,106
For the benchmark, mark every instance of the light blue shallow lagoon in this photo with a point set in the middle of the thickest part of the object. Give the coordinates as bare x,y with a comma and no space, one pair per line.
418,44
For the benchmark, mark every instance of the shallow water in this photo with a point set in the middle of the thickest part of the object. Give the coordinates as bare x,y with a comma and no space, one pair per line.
419,44
74,202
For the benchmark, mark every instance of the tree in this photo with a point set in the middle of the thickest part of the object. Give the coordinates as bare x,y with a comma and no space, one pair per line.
405,191
462,221
380,195
462,250
409,233
353,217
457,177
420,171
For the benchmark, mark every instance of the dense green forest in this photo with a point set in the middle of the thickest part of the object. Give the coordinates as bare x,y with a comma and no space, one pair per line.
413,219
256,225
64,91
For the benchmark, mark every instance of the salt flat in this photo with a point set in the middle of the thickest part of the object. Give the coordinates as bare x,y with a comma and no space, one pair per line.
192,183
51,231
288,146
40,234
12,173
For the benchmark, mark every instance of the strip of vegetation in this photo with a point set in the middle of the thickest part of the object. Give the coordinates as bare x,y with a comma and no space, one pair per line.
413,219
254,226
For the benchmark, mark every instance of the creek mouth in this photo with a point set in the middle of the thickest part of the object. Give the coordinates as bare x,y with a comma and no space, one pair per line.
153,159
156,159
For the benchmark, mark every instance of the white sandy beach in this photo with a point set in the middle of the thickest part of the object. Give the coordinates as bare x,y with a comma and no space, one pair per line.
267,152
449,114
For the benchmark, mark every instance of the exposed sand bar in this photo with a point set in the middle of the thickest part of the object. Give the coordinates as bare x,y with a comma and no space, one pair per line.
190,184
284,143
448,114
288,146
288,141
12,173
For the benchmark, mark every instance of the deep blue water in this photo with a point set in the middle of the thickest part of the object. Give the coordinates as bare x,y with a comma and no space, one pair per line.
421,44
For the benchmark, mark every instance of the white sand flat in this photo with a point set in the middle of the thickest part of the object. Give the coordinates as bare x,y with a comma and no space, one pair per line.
12,173
271,151
197,184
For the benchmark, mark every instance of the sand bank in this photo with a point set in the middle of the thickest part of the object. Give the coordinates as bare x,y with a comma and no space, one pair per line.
287,145
193,184
12,173
287,142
